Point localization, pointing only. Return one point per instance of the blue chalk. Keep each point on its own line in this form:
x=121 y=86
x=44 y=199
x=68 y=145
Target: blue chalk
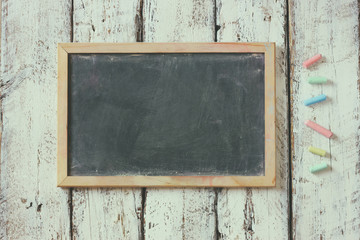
x=316 y=99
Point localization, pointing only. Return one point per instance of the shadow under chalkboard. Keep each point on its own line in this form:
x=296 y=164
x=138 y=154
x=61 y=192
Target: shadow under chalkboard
x=166 y=114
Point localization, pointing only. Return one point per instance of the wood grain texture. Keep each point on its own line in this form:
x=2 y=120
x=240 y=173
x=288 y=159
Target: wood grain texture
x=179 y=213
x=103 y=213
x=167 y=181
x=110 y=21
x=106 y=213
x=2 y=217
x=62 y=115
x=162 y=47
x=326 y=205
x=258 y=213
x=31 y=206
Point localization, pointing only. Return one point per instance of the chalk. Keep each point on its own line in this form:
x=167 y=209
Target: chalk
x=318 y=167
x=316 y=80
x=316 y=99
x=327 y=133
x=317 y=151
x=312 y=60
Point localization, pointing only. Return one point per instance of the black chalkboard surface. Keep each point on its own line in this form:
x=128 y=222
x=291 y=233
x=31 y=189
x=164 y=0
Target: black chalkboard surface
x=166 y=114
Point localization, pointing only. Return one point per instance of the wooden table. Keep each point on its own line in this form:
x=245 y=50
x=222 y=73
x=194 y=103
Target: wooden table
x=302 y=206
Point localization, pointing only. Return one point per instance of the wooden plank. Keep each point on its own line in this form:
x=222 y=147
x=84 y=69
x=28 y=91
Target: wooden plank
x=326 y=205
x=258 y=213
x=62 y=115
x=31 y=206
x=179 y=213
x=167 y=181
x=103 y=213
x=106 y=213
x=2 y=222
x=145 y=47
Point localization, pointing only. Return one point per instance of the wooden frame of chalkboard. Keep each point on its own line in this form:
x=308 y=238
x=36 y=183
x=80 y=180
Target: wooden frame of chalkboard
x=66 y=180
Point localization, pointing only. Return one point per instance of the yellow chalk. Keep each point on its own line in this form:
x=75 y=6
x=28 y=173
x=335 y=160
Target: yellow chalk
x=317 y=151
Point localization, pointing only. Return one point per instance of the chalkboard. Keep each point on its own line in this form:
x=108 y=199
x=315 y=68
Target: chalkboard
x=177 y=114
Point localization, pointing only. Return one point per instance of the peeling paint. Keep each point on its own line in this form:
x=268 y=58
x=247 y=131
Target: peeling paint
x=316 y=198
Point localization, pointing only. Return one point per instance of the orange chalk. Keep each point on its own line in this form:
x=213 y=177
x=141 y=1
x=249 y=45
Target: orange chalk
x=327 y=133
x=312 y=60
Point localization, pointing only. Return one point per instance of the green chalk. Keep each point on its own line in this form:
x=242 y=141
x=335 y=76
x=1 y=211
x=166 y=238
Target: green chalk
x=318 y=167
x=317 y=151
x=315 y=80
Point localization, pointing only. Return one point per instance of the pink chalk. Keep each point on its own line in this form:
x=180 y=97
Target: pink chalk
x=312 y=60
x=327 y=133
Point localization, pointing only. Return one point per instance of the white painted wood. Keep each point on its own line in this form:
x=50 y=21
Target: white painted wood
x=179 y=213
x=179 y=21
x=326 y=205
x=106 y=213
x=31 y=206
x=106 y=21
x=258 y=213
